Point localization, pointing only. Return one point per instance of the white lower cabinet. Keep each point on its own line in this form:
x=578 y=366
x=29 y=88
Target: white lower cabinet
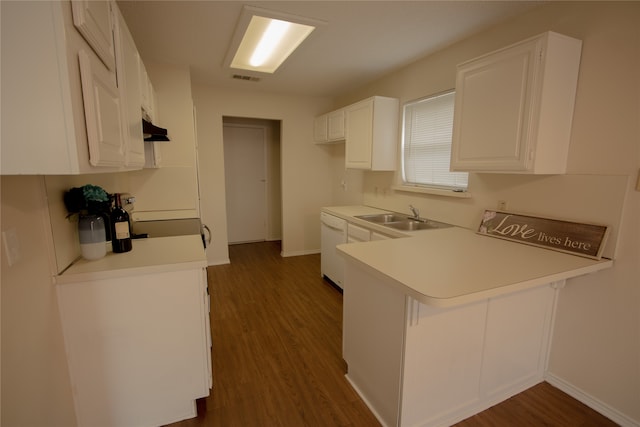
x=379 y=236
x=138 y=347
x=355 y=234
x=418 y=365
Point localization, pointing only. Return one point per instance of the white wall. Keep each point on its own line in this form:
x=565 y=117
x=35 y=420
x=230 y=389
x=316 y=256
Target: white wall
x=170 y=191
x=305 y=167
x=596 y=345
x=65 y=228
x=36 y=389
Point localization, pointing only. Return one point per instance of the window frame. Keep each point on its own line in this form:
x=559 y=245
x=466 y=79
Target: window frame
x=418 y=186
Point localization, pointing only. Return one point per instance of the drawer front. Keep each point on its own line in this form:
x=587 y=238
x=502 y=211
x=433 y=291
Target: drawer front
x=357 y=233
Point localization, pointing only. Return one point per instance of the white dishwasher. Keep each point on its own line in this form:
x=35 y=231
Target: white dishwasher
x=333 y=231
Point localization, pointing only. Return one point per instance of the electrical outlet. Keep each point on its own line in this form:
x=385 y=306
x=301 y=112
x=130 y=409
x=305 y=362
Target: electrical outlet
x=11 y=246
x=502 y=205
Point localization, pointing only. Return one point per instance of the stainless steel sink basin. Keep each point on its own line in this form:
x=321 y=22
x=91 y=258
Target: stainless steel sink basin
x=383 y=218
x=410 y=225
x=402 y=222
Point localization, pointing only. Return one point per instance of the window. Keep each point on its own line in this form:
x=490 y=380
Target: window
x=426 y=143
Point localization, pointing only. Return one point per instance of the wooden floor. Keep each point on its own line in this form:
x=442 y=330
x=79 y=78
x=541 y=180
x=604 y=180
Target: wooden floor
x=276 y=329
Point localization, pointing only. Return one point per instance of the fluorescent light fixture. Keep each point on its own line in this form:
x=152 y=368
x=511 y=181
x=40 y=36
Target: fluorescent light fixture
x=266 y=39
x=270 y=40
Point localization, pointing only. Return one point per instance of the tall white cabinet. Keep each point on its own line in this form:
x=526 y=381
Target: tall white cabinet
x=372 y=134
x=514 y=107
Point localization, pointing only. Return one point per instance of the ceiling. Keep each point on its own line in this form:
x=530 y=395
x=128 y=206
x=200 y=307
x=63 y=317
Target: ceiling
x=360 y=42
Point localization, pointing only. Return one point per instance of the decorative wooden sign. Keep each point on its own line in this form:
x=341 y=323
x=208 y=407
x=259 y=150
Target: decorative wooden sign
x=564 y=236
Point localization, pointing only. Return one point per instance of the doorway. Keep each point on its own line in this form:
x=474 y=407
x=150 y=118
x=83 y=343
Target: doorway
x=252 y=179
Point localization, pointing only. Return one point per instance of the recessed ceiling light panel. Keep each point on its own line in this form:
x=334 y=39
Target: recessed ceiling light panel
x=264 y=40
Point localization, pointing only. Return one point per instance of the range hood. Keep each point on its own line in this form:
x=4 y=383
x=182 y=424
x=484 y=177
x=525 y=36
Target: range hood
x=152 y=132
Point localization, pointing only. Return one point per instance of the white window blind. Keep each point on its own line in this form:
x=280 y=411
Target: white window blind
x=426 y=143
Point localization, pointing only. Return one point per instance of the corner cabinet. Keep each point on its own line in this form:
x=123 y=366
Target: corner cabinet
x=514 y=107
x=372 y=134
x=137 y=333
x=329 y=127
x=62 y=104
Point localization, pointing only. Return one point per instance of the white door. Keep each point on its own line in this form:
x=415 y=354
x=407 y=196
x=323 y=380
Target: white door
x=245 y=175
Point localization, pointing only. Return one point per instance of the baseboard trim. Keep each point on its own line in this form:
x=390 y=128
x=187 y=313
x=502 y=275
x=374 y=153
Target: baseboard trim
x=366 y=401
x=219 y=262
x=592 y=402
x=299 y=253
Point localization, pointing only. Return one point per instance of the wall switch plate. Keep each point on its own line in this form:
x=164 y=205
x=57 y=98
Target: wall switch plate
x=11 y=246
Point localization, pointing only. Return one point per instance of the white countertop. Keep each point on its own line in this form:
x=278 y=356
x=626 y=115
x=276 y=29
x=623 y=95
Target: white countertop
x=453 y=266
x=148 y=256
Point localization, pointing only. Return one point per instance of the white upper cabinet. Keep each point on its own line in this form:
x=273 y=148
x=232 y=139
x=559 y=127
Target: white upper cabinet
x=330 y=127
x=514 y=107
x=372 y=134
x=129 y=87
x=320 y=131
x=147 y=93
x=95 y=22
x=63 y=107
x=103 y=112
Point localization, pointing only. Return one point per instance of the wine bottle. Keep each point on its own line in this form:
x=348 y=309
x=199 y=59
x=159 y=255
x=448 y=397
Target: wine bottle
x=120 y=228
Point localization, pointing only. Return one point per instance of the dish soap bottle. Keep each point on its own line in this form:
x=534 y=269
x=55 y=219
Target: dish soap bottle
x=120 y=228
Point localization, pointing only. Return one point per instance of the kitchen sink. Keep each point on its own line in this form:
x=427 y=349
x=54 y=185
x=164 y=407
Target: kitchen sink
x=412 y=225
x=383 y=218
x=403 y=222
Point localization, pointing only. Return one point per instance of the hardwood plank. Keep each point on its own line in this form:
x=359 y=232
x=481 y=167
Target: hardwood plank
x=541 y=405
x=277 y=356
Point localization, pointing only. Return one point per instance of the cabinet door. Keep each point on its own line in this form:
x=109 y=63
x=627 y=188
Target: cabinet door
x=95 y=22
x=493 y=110
x=517 y=340
x=320 y=128
x=357 y=234
x=359 y=135
x=335 y=125
x=514 y=107
x=146 y=92
x=379 y=236
x=103 y=112
x=129 y=88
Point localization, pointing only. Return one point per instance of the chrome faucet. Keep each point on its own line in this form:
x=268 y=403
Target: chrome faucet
x=415 y=212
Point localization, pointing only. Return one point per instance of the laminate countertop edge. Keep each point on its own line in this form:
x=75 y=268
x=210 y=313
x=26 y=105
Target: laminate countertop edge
x=148 y=256
x=455 y=266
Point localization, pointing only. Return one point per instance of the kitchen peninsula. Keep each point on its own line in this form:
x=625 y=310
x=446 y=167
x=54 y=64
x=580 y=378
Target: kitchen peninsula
x=137 y=334
x=447 y=323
